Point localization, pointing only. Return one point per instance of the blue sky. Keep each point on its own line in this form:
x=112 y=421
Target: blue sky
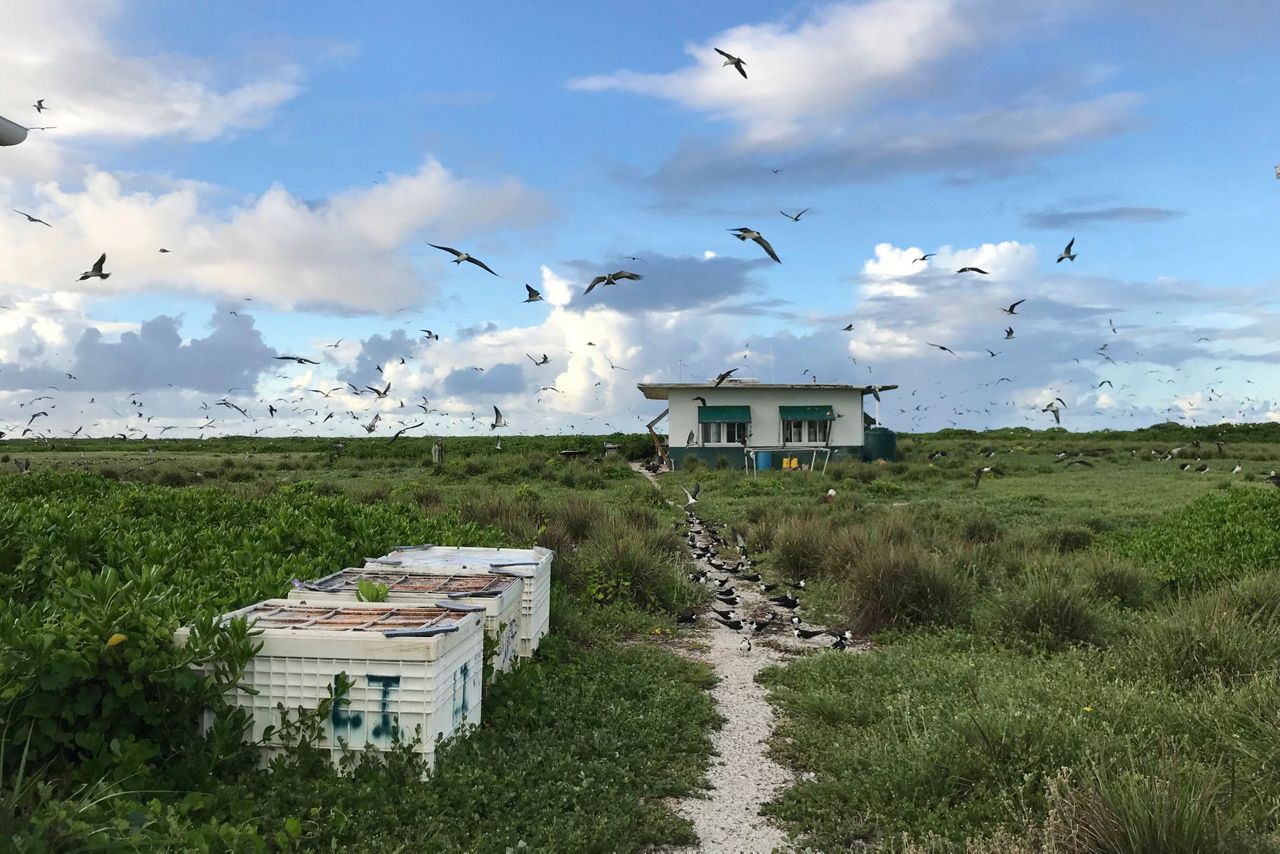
x=553 y=140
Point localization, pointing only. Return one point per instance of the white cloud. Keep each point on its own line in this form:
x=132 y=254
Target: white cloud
x=59 y=50
x=350 y=252
x=839 y=59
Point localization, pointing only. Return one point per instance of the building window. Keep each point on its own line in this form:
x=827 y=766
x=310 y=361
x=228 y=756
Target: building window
x=805 y=432
x=723 y=432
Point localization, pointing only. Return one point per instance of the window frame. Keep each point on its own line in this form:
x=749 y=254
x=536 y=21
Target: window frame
x=723 y=431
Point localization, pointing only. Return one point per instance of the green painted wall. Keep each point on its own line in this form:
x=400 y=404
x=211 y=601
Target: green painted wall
x=733 y=456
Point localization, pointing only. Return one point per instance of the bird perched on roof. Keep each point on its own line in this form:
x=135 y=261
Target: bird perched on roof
x=745 y=233
x=459 y=257
x=736 y=62
x=1067 y=254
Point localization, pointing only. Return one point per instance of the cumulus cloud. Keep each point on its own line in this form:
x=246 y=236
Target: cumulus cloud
x=61 y=50
x=826 y=92
x=351 y=252
x=670 y=282
x=1059 y=218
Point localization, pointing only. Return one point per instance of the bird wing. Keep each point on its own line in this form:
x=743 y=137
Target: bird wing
x=497 y=414
x=597 y=280
x=481 y=265
x=722 y=53
x=1012 y=306
x=802 y=213
x=100 y=263
x=697 y=488
x=532 y=292
x=741 y=66
x=448 y=249
x=625 y=274
x=1070 y=243
x=764 y=244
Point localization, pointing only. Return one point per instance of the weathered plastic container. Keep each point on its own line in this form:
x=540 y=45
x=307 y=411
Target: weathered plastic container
x=533 y=566
x=411 y=667
x=764 y=460
x=500 y=597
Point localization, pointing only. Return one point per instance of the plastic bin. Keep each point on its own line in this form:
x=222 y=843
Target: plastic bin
x=499 y=596
x=533 y=566
x=764 y=460
x=410 y=666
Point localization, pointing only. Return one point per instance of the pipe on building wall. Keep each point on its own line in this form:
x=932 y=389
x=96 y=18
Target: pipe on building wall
x=11 y=133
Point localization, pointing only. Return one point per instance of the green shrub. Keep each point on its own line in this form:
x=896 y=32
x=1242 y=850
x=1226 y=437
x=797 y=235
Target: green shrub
x=1068 y=538
x=1047 y=610
x=1115 y=580
x=890 y=586
x=1206 y=639
x=799 y=547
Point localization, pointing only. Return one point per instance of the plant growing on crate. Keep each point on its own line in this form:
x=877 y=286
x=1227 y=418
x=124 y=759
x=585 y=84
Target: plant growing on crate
x=370 y=591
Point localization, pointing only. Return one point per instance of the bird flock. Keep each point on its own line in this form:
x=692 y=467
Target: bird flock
x=352 y=397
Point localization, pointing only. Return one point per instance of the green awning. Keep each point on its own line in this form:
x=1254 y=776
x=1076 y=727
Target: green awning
x=807 y=413
x=731 y=414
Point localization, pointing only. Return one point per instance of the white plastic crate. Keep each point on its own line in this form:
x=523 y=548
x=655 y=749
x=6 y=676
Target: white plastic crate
x=533 y=565
x=411 y=666
x=500 y=597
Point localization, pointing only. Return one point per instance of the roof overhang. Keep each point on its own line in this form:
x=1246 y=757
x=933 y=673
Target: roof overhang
x=662 y=391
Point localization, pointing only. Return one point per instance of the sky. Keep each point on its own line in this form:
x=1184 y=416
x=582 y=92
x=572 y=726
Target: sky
x=297 y=163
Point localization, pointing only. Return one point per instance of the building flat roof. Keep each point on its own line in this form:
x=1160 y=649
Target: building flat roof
x=661 y=391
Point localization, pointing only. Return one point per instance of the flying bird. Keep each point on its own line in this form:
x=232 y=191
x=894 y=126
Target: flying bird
x=848 y=328
x=692 y=496
x=404 y=430
x=298 y=359
x=380 y=393
x=612 y=279
x=1013 y=307
x=979 y=472
x=925 y=257
x=545 y=359
x=721 y=377
x=1067 y=254
x=972 y=270
x=39 y=105
x=993 y=353
x=96 y=271
x=944 y=349
x=740 y=64
x=29 y=217
x=1057 y=416
x=1008 y=333
x=795 y=217
x=335 y=344
x=751 y=234
x=534 y=296
x=459 y=257
x=498 y=420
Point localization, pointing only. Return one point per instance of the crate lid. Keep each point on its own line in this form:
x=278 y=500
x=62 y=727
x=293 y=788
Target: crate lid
x=401 y=582
x=373 y=617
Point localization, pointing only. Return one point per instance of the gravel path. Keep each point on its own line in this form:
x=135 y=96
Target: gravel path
x=742 y=776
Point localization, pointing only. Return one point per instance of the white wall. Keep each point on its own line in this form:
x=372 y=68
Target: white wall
x=766 y=425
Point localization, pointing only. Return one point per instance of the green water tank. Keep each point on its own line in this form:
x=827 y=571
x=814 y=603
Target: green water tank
x=880 y=443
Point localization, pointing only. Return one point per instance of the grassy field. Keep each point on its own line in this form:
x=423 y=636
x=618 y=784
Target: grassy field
x=1065 y=658
x=107 y=550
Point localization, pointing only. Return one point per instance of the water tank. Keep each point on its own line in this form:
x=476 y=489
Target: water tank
x=764 y=460
x=881 y=443
x=11 y=133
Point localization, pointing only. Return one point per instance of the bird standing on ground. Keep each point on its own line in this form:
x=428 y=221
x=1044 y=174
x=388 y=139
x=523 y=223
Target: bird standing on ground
x=736 y=62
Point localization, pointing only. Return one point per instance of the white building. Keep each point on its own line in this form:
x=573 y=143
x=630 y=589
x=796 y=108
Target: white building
x=744 y=422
